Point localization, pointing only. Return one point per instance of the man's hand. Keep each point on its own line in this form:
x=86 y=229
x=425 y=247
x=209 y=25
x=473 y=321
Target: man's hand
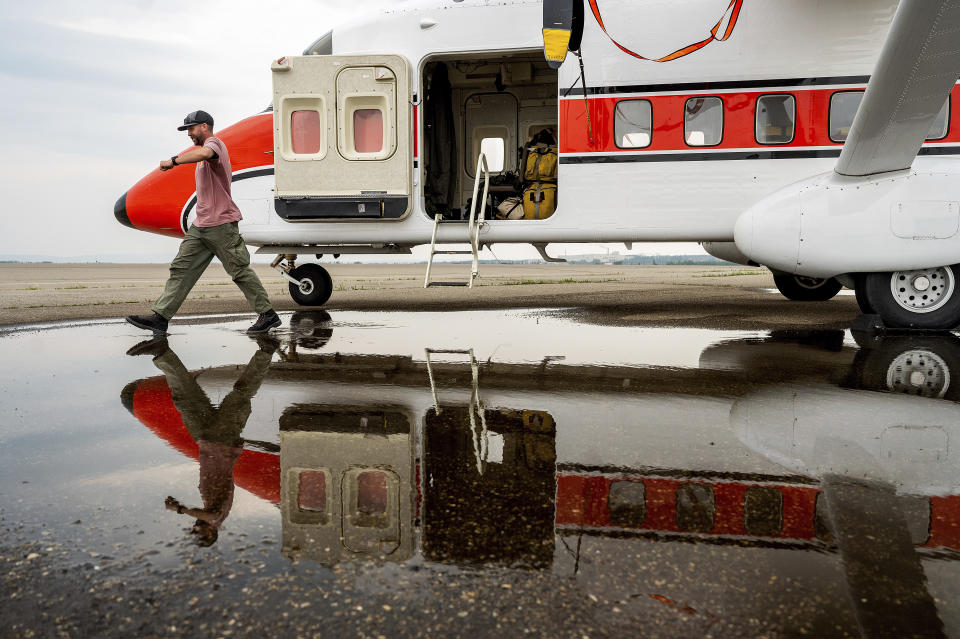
x=166 y=165
x=171 y=503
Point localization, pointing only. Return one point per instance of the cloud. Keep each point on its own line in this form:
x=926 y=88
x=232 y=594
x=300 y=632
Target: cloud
x=93 y=93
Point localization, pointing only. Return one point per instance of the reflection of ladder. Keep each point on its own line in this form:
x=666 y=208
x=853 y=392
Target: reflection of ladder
x=478 y=434
x=473 y=229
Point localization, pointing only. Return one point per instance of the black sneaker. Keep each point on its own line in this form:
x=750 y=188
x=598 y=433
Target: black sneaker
x=265 y=322
x=156 y=322
x=155 y=347
x=267 y=343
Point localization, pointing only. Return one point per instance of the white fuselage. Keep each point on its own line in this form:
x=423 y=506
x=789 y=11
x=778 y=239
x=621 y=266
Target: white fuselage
x=657 y=193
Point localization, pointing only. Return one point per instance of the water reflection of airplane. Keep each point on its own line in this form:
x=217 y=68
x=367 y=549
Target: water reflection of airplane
x=485 y=462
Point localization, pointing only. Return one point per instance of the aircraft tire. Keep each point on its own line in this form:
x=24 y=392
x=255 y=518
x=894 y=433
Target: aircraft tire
x=925 y=298
x=806 y=289
x=315 y=285
x=919 y=365
x=311 y=329
x=861 y=292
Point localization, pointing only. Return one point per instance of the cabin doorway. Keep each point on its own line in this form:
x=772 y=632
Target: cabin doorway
x=511 y=98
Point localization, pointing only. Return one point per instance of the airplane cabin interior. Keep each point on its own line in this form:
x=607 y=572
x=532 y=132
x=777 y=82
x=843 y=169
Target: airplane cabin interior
x=508 y=100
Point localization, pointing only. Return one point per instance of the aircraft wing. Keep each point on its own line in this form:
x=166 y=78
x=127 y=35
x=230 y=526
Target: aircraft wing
x=918 y=67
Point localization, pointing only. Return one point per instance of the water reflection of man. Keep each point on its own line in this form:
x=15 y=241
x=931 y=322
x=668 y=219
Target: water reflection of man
x=216 y=430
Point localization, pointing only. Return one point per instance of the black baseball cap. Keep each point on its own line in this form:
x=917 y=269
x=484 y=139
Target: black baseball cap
x=197 y=117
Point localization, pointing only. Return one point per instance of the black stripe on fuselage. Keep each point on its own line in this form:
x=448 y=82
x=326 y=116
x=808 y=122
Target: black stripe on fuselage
x=687 y=87
x=779 y=154
x=235 y=178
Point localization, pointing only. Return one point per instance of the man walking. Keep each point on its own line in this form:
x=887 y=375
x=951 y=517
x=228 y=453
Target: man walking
x=214 y=233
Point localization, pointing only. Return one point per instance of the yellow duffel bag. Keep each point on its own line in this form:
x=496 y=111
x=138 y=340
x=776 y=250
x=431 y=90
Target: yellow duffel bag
x=541 y=163
x=539 y=200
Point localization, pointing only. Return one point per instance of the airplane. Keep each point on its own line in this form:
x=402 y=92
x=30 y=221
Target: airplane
x=815 y=140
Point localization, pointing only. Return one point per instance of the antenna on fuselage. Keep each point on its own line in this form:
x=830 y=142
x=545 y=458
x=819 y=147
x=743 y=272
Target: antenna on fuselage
x=586 y=103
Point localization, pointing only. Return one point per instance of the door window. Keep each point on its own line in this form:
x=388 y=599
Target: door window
x=306 y=132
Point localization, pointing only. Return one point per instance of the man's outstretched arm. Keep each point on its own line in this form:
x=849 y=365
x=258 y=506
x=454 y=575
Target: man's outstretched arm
x=190 y=156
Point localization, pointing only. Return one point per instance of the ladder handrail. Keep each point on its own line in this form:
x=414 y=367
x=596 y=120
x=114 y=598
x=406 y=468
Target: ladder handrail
x=473 y=225
x=474 y=229
x=478 y=435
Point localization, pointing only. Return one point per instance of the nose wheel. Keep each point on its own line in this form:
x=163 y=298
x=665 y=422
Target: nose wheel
x=309 y=284
x=313 y=286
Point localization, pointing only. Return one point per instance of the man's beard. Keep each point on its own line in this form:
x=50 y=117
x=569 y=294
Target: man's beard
x=196 y=139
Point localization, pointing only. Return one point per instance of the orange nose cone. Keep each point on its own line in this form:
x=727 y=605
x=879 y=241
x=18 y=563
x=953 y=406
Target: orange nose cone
x=158 y=202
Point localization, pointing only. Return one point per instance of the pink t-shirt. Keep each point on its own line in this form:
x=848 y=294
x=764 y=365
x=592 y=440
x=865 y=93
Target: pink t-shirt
x=214 y=204
x=216 y=477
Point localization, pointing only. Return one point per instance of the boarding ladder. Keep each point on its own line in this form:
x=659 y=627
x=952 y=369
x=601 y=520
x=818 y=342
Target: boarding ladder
x=478 y=432
x=474 y=225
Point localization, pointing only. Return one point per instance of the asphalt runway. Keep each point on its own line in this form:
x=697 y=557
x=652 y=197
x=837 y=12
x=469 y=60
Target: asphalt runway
x=688 y=296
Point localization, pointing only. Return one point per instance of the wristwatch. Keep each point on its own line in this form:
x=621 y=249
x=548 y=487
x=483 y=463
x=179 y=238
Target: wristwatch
x=173 y=159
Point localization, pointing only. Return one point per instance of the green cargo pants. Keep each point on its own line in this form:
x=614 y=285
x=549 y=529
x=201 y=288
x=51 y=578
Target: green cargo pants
x=205 y=422
x=196 y=251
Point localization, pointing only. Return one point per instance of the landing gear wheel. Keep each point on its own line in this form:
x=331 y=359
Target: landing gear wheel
x=315 y=285
x=925 y=298
x=806 y=289
x=311 y=328
x=861 y=292
x=926 y=366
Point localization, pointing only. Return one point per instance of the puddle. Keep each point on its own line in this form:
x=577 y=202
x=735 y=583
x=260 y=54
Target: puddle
x=478 y=472
x=842 y=291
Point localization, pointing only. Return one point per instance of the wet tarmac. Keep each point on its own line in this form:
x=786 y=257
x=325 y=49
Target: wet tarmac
x=477 y=473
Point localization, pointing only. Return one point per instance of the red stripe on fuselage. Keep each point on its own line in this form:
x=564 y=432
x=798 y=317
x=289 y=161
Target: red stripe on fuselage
x=156 y=202
x=739 y=124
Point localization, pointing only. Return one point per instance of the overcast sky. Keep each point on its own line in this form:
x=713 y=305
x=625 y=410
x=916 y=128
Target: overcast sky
x=93 y=92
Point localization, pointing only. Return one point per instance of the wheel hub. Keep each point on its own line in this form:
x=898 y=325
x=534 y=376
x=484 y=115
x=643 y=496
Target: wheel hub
x=306 y=286
x=924 y=290
x=810 y=282
x=918 y=372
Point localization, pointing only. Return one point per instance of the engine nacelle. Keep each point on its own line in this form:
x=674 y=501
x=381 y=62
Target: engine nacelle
x=831 y=224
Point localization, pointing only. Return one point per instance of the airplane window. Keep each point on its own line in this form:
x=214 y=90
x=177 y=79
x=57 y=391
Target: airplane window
x=312 y=491
x=368 y=130
x=696 y=508
x=843 y=108
x=632 y=124
x=627 y=503
x=366 y=121
x=372 y=493
x=776 y=119
x=321 y=46
x=763 y=510
x=941 y=124
x=306 y=132
x=703 y=121
x=493 y=150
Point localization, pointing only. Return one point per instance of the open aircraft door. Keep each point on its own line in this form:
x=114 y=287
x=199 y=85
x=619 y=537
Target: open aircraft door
x=341 y=137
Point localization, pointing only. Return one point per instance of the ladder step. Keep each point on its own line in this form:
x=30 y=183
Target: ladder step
x=449 y=284
x=453 y=252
